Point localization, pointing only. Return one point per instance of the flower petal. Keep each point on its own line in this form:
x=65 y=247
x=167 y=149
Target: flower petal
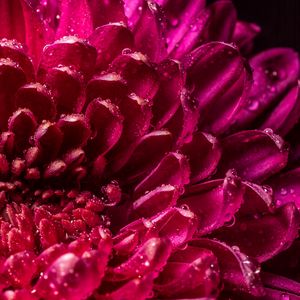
x=274 y=71
x=189 y=273
x=173 y=169
x=254 y=154
x=109 y=41
x=275 y=231
x=214 y=202
x=204 y=153
x=286 y=114
x=74 y=21
x=238 y=272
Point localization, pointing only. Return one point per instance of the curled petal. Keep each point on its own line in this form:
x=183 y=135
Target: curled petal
x=151 y=256
x=141 y=78
x=254 y=154
x=20 y=22
x=67 y=88
x=68 y=51
x=237 y=270
x=244 y=35
x=167 y=99
x=286 y=114
x=74 y=21
x=214 y=202
x=189 y=273
x=274 y=71
x=218 y=77
x=275 y=231
x=105 y=121
x=149 y=32
x=38 y=99
x=286 y=188
x=109 y=41
x=204 y=153
x=173 y=169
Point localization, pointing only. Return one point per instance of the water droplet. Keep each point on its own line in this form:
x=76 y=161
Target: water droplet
x=284 y=296
x=185 y=207
x=283 y=191
x=253 y=105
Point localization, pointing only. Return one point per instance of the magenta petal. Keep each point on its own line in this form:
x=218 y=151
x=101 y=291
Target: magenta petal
x=189 y=273
x=218 y=77
x=106 y=125
x=274 y=71
x=173 y=169
x=254 y=154
x=286 y=114
x=214 y=23
x=149 y=32
x=20 y=22
x=276 y=232
x=214 y=202
x=38 y=99
x=68 y=51
x=109 y=41
x=155 y=201
x=141 y=78
x=72 y=277
x=167 y=99
x=74 y=21
x=244 y=35
x=66 y=85
x=286 y=188
x=151 y=256
x=204 y=153
x=237 y=270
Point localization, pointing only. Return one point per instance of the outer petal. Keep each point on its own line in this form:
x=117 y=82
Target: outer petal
x=274 y=71
x=219 y=78
x=286 y=114
x=173 y=169
x=214 y=202
x=254 y=154
x=189 y=273
x=276 y=232
x=204 y=153
x=237 y=271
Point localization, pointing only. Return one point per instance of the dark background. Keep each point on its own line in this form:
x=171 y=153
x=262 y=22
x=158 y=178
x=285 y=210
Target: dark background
x=278 y=19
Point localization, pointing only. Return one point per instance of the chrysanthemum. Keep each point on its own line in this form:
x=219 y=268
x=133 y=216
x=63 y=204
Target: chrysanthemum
x=139 y=153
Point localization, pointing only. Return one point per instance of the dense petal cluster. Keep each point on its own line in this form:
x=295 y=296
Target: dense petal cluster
x=140 y=155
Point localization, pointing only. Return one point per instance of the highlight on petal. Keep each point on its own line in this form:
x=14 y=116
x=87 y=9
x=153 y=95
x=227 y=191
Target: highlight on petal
x=254 y=154
x=286 y=114
x=189 y=273
x=214 y=202
x=219 y=79
x=238 y=271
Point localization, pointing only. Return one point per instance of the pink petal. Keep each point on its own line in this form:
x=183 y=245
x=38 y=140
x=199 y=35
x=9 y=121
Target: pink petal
x=20 y=22
x=254 y=154
x=67 y=88
x=219 y=79
x=238 y=271
x=204 y=153
x=141 y=78
x=286 y=114
x=106 y=125
x=109 y=41
x=38 y=99
x=173 y=169
x=214 y=202
x=276 y=232
x=149 y=32
x=74 y=21
x=189 y=273
x=167 y=99
x=274 y=71
x=68 y=51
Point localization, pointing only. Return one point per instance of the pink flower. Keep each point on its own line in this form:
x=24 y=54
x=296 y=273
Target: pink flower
x=139 y=153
